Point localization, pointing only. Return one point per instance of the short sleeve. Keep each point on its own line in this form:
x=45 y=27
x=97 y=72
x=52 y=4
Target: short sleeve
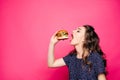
x=99 y=64
x=67 y=59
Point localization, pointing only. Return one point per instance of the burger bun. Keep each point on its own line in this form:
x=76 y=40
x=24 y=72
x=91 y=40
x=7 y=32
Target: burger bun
x=62 y=34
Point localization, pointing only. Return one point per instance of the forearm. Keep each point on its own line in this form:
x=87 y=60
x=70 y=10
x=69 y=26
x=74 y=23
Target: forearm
x=51 y=54
x=52 y=62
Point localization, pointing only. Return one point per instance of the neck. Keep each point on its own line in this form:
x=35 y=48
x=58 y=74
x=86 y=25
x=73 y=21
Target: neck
x=79 y=50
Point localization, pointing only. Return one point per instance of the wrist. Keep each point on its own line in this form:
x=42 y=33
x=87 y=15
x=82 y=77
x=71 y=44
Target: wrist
x=52 y=43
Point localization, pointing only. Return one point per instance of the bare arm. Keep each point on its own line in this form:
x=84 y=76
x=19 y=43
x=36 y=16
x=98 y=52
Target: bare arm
x=101 y=77
x=52 y=62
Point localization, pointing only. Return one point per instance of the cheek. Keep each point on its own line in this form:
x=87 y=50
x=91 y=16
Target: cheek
x=75 y=41
x=79 y=38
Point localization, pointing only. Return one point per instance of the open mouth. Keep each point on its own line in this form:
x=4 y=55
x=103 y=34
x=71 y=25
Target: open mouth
x=72 y=36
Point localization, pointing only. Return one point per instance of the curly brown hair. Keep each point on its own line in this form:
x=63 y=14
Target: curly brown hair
x=91 y=44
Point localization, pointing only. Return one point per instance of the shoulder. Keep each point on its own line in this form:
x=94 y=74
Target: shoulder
x=70 y=55
x=68 y=58
x=96 y=57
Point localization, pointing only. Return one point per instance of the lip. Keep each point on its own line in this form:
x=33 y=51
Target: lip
x=72 y=35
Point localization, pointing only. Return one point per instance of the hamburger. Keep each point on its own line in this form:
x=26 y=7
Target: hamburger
x=62 y=34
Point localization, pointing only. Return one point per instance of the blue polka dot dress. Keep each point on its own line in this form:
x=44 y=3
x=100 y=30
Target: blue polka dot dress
x=78 y=72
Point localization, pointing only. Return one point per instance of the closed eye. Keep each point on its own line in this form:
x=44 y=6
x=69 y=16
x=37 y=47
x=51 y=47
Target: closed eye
x=78 y=31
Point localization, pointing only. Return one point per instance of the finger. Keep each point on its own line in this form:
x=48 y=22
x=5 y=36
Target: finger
x=55 y=33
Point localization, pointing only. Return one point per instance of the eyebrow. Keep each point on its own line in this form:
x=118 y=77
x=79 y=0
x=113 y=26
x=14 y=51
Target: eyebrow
x=79 y=28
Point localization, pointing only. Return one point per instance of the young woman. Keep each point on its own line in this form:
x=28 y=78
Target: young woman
x=86 y=61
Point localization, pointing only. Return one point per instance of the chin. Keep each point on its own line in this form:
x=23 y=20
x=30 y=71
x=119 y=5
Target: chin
x=73 y=43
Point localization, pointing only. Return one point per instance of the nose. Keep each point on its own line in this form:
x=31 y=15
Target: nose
x=74 y=31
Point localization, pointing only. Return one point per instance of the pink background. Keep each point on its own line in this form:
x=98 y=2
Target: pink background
x=27 y=25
